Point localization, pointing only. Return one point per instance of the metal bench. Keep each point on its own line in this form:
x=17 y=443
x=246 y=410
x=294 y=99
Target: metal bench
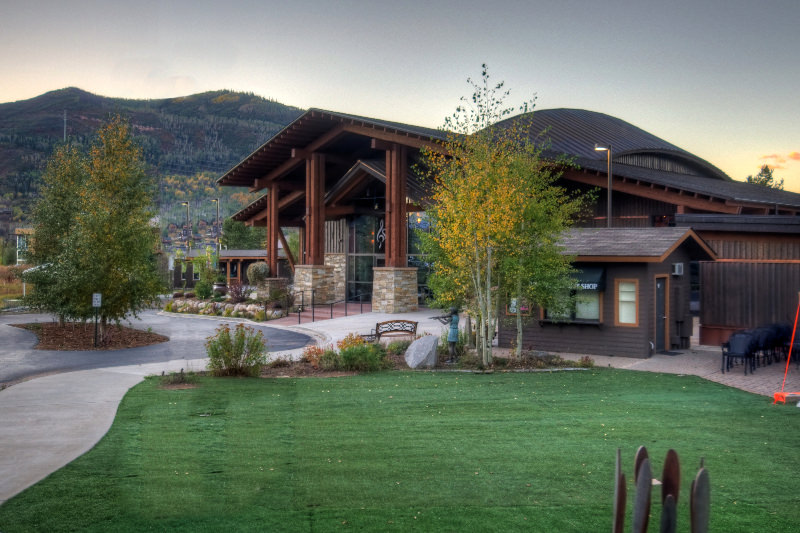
x=391 y=328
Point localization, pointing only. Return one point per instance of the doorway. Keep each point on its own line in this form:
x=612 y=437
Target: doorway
x=662 y=314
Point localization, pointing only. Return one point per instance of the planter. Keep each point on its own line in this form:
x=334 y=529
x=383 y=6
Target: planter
x=220 y=288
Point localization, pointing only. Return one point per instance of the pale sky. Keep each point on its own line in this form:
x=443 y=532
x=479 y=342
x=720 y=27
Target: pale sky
x=718 y=78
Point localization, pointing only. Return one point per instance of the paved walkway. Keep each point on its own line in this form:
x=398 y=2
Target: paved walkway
x=47 y=422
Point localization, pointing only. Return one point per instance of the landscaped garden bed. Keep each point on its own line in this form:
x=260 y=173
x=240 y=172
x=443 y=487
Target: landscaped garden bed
x=80 y=336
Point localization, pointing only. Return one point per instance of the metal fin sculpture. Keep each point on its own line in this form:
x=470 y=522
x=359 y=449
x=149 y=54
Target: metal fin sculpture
x=699 y=497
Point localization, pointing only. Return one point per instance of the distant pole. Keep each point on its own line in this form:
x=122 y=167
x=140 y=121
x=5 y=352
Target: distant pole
x=609 y=185
x=219 y=227
x=607 y=148
x=188 y=229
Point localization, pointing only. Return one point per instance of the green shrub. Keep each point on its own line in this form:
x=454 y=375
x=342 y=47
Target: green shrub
x=397 y=347
x=228 y=312
x=240 y=354
x=329 y=360
x=257 y=273
x=168 y=307
x=203 y=290
x=260 y=316
x=363 y=357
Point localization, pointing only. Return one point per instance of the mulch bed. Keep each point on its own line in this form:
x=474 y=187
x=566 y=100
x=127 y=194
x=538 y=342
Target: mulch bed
x=79 y=336
x=298 y=369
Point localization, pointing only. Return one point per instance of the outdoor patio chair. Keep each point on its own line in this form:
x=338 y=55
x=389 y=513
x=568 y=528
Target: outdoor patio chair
x=765 y=345
x=741 y=345
x=783 y=336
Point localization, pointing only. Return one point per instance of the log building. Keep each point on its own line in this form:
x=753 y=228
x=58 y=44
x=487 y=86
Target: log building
x=348 y=183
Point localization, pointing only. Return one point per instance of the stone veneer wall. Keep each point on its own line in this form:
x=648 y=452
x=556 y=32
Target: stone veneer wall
x=339 y=279
x=316 y=277
x=394 y=290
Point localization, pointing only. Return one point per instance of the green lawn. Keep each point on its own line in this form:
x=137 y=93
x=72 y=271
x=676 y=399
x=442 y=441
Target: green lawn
x=425 y=451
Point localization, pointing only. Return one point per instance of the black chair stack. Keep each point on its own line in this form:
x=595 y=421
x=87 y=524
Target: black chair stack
x=742 y=345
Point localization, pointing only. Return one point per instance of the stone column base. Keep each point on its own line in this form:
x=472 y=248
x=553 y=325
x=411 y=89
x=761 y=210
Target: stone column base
x=313 y=277
x=338 y=275
x=394 y=290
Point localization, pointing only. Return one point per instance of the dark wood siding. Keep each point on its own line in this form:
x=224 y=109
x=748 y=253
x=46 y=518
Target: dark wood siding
x=628 y=211
x=602 y=339
x=606 y=338
x=740 y=295
x=758 y=246
x=336 y=236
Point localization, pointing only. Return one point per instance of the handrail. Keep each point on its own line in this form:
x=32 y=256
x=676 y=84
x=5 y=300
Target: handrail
x=313 y=305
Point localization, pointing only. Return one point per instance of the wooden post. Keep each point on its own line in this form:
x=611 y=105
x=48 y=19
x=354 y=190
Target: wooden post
x=396 y=223
x=273 y=229
x=315 y=210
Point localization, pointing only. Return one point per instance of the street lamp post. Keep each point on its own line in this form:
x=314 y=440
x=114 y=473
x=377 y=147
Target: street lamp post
x=188 y=228
x=604 y=148
x=217 y=224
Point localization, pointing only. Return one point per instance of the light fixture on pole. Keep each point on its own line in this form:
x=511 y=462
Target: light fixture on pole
x=607 y=148
x=188 y=228
x=217 y=224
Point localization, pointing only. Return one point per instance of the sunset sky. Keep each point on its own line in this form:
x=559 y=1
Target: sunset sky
x=719 y=78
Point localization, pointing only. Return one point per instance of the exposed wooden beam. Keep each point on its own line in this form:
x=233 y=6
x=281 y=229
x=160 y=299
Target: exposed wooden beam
x=378 y=144
x=280 y=170
x=405 y=140
x=346 y=191
x=661 y=195
x=292 y=162
x=292 y=186
x=286 y=249
x=339 y=210
x=289 y=199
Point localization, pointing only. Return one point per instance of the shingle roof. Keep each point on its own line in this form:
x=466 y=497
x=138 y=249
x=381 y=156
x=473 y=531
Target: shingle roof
x=643 y=243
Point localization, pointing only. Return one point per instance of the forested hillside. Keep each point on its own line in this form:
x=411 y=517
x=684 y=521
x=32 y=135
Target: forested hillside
x=189 y=141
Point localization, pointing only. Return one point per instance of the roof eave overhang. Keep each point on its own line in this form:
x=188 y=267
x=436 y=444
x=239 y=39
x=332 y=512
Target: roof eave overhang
x=288 y=145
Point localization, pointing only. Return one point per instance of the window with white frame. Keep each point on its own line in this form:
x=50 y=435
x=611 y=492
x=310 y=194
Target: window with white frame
x=627 y=291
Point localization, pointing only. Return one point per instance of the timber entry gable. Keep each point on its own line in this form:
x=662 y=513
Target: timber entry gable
x=319 y=169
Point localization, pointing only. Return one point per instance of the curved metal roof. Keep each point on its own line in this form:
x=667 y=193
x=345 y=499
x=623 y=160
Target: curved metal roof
x=574 y=132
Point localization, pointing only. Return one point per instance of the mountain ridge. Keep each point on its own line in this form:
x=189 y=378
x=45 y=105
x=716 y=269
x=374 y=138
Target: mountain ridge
x=206 y=132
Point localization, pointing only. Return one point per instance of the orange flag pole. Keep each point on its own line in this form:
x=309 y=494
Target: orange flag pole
x=781 y=396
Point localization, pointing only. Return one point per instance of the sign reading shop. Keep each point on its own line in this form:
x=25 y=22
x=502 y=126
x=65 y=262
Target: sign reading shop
x=590 y=278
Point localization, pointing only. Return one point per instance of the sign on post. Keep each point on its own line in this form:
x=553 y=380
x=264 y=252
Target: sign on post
x=97 y=299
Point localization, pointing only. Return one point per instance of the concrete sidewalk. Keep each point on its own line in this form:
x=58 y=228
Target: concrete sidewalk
x=47 y=422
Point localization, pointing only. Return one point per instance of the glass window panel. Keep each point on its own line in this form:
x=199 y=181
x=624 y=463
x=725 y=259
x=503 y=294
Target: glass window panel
x=626 y=297
x=587 y=306
x=417 y=222
x=362 y=235
x=362 y=266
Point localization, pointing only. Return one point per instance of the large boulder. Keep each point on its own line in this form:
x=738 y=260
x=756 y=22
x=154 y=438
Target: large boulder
x=422 y=352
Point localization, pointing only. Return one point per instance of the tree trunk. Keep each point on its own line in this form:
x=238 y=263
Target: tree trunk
x=518 y=348
x=487 y=354
x=103 y=333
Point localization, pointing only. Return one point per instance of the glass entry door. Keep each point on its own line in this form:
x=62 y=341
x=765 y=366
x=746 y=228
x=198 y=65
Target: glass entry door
x=366 y=250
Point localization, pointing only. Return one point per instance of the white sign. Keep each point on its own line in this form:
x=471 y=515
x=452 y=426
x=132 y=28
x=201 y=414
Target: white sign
x=96 y=299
